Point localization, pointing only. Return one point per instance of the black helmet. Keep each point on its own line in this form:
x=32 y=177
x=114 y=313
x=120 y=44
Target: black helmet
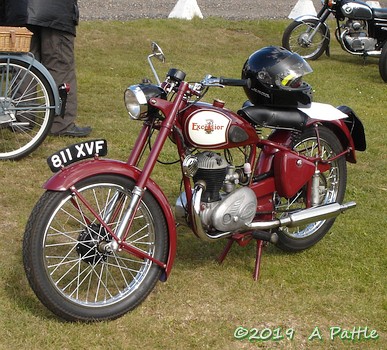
x=276 y=78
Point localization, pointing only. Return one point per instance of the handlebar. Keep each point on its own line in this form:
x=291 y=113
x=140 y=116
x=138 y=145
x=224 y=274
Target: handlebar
x=175 y=77
x=209 y=80
x=234 y=82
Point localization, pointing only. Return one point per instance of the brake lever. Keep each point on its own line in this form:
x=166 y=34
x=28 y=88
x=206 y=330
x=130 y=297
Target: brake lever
x=210 y=80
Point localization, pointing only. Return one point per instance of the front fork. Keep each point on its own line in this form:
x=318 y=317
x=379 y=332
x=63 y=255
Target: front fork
x=170 y=111
x=127 y=220
x=117 y=243
x=321 y=17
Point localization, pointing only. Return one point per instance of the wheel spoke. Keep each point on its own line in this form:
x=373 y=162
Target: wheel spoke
x=68 y=256
x=77 y=267
x=302 y=38
x=328 y=187
x=26 y=108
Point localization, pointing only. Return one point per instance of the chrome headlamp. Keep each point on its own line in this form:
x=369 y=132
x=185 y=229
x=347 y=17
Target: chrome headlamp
x=136 y=102
x=137 y=97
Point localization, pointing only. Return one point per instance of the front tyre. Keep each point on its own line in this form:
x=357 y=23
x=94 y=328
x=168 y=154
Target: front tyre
x=332 y=187
x=304 y=39
x=383 y=63
x=64 y=259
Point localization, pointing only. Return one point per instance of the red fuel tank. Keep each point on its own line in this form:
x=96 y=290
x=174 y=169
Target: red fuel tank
x=209 y=127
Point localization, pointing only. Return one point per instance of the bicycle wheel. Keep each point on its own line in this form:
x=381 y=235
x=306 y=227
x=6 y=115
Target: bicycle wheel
x=64 y=259
x=297 y=38
x=27 y=108
x=332 y=187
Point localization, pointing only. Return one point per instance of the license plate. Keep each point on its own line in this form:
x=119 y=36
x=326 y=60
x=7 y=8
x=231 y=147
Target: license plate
x=75 y=153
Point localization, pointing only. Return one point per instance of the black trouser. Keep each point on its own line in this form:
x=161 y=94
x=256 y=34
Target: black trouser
x=55 y=50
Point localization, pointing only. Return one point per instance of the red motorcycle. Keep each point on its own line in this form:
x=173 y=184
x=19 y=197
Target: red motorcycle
x=103 y=233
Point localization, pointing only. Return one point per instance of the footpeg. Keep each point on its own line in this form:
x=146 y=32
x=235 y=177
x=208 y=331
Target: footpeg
x=265 y=236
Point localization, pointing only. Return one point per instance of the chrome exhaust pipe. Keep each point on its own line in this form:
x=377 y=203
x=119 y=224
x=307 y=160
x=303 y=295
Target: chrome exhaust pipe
x=310 y=215
x=376 y=53
x=197 y=226
x=301 y=217
x=304 y=217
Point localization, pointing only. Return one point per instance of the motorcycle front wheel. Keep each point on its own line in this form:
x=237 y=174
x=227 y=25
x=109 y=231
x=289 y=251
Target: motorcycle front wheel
x=27 y=108
x=383 y=63
x=304 y=39
x=331 y=189
x=64 y=261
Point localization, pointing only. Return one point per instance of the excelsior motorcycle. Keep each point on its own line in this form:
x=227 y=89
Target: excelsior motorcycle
x=103 y=233
x=360 y=30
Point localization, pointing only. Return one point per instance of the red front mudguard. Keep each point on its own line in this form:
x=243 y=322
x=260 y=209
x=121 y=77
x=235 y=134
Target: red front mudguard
x=71 y=175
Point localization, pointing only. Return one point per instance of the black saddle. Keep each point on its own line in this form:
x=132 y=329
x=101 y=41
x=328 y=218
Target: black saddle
x=274 y=117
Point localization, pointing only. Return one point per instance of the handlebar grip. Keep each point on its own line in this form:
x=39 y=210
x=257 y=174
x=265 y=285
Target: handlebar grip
x=233 y=82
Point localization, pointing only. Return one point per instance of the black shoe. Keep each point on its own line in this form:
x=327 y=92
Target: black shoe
x=74 y=131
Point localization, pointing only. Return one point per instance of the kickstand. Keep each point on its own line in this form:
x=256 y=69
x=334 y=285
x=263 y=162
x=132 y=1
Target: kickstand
x=258 y=259
x=226 y=250
x=243 y=240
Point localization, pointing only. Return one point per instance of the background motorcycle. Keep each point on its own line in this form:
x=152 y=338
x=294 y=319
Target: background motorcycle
x=103 y=233
x=360 y=30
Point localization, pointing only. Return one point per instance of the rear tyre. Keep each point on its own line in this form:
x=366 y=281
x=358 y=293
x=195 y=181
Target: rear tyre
x=64 y=259
x=383 y=63
x=332 y=189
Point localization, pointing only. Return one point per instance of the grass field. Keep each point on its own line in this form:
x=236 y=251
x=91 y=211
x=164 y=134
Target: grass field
x=337 y=286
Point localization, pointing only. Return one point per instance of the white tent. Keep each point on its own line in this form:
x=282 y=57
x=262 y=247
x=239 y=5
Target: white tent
x=186 y=9
x=303 y=7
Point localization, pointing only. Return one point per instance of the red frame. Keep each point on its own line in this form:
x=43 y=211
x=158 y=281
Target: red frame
x=278 y=142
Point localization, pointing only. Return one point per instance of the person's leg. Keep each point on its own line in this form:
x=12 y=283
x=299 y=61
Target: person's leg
x=57 y=55
x=35 y=42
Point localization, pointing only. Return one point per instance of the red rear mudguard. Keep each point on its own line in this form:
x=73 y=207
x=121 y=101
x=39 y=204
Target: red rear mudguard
x=69 y=176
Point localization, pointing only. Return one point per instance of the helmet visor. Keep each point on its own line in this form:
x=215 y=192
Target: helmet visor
x=289 y=72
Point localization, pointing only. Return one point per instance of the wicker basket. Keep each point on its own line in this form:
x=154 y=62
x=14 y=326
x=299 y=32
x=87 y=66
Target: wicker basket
x=15 y=39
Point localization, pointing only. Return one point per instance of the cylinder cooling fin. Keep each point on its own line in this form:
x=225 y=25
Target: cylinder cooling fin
x=212 y=170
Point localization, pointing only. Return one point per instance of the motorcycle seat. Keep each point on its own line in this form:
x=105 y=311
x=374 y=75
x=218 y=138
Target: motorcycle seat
x=380 y=13
x=274 y=117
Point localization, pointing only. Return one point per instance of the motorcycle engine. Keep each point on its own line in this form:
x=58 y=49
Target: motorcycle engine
x=224 y=206
x=212 y=169
x=356 y=37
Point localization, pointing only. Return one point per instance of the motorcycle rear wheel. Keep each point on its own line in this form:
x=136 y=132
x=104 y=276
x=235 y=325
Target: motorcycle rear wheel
x=296 y=39
x=63 y=260
x=332 y=189
x=383 y=63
